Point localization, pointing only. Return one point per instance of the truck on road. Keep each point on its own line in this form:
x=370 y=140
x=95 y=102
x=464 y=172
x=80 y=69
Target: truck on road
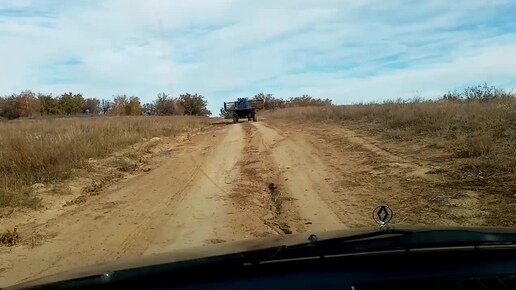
x=243 y=108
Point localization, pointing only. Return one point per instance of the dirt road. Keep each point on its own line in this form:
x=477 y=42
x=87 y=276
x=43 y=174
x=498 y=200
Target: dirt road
x=232 y=182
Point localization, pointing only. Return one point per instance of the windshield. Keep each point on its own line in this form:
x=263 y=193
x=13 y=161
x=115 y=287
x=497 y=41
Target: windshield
x=130 y=128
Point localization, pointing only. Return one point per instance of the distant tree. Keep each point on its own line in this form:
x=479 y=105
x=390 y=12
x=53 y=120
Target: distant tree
x=71 y=104
x=10 y=107
x=91 y=106
x=106 y=106
x=194 y=104
x=29 y=104
x=26 y=104
x=119 y=104
x=166 y=105
x=133 y=107
x=149 y=109
x=123 y=105
x=49 y=105
x=163 y=104
x=270 y=102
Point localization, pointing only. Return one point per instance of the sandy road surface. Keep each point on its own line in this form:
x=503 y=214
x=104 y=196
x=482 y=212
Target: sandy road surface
x=233 y=182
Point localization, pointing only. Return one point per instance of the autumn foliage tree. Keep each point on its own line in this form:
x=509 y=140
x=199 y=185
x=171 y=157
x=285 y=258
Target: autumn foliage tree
x=194 y=104
x=10 y=108
x=29 y=103
x=25 y=104
x=166 y=105
x=71 y=104
x=49 y=105
x=133 y=107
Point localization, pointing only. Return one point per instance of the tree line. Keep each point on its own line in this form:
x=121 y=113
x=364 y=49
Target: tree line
x=28 y=104
x=271 y=102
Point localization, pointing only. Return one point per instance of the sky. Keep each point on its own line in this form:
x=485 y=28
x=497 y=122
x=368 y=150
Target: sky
x=349 y=51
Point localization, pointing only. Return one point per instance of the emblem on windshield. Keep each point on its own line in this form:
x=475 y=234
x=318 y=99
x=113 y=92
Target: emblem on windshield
x=382 y=215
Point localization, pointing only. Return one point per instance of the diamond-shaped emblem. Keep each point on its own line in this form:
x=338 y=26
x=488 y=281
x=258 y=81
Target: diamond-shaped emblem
x=382 y=215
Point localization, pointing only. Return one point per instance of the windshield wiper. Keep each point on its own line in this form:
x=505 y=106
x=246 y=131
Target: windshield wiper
x=385 y=240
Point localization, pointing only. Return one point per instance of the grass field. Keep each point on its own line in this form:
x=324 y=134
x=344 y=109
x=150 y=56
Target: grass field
x=46 y=150
x=478 y=137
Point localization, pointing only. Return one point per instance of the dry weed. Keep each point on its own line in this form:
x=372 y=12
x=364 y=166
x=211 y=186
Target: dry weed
x=9 y=238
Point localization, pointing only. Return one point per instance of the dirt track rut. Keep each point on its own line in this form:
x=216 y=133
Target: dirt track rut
x=234 y=182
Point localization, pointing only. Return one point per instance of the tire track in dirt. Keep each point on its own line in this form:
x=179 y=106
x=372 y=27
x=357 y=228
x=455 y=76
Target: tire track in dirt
x=305 y=181
x=259 y=188
x=410 y=166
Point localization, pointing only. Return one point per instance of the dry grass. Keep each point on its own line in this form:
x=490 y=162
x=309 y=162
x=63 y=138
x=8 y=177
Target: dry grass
x=43 y=151
x=9 y=238
x=479 y=136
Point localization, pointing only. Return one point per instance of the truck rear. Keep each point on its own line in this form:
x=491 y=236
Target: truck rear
x=243 y=108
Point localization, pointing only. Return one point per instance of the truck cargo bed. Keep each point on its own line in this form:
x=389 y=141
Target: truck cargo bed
x=251 y=105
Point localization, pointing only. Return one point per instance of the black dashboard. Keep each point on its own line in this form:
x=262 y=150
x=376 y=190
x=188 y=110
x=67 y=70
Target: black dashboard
x=457 y=268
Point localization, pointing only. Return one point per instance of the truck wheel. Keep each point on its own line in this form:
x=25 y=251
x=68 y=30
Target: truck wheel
x=249 y=119
x=254 y=118
x=235 y=119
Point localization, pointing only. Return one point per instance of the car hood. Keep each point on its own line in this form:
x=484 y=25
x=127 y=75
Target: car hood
x=228 y=248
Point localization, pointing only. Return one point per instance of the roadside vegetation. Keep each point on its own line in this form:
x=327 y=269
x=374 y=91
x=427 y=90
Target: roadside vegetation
x=28 y=104
x=46 y=150
x=475 y=130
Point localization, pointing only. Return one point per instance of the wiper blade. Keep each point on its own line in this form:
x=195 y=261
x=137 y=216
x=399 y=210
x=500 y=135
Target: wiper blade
x=429 y=239
x=422 y=238
x=385 y=240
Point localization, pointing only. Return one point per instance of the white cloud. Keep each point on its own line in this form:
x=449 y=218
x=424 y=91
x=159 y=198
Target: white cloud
x=354 y=51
